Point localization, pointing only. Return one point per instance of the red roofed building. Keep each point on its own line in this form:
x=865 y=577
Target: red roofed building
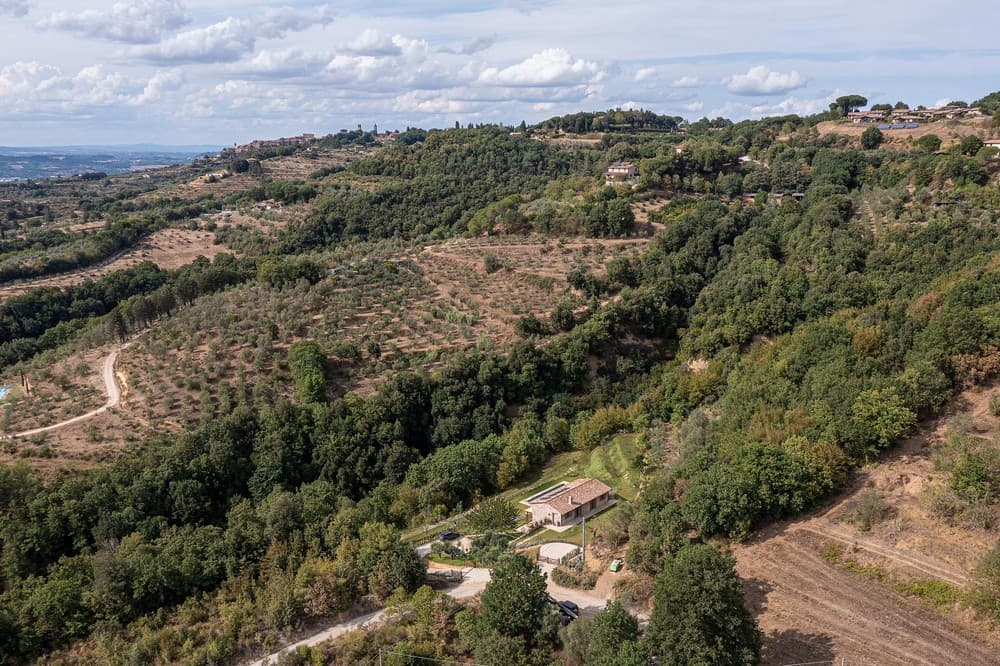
x=565 y=503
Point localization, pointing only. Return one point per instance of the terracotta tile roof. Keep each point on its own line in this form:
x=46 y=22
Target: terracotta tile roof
x=580 y=491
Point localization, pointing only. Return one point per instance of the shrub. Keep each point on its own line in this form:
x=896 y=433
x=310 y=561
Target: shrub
x=494 y=513
x=869 y=510
x=492 y=263
x=585 y=580
x=872 y=138
x=985 y=594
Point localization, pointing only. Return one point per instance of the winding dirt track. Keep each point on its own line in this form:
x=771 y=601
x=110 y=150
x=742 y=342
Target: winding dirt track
x=810 y=610
x=110 y=386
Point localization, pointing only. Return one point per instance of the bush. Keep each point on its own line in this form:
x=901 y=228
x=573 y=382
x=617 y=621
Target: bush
x=585 y=580
x=869 y=510
x=529 y=325
x=494 y=513
x=872 y=138
x=492 y=263
x=985 y=594
x=602 y=424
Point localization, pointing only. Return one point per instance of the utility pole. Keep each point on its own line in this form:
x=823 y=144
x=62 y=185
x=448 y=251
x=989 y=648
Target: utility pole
x=583 y=542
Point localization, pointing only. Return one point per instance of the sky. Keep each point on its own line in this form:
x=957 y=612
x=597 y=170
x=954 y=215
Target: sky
x=225 y=71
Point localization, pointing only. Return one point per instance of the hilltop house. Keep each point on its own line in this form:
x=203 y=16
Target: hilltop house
x=621 y=171
x=567 y=502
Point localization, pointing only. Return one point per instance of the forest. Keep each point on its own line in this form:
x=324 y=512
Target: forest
x=784 y=345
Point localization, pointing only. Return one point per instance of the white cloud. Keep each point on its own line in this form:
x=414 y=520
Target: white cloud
x=15 y=8
x=253 y=101
x=32 y=88
x=282 y=63
x=760 y=80
x=551 y=67
x=373 y=43
x=415 y=101
x=133 y=22
x=644 y=73
x=162 y=82
x=229 y=40
x=694 y=107
x=688 y=82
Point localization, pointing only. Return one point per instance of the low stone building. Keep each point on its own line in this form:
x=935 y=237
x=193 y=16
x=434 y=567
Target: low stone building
x=567 y=502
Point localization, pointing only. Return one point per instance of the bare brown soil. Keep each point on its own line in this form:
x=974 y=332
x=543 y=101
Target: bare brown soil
x=949 y=131
x=168 y=249
x=812 y=609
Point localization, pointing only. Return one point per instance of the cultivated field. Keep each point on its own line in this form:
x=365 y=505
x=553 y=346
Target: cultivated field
x=168 y=249
x=823 y=589
x=396 y=308
x=292 y=167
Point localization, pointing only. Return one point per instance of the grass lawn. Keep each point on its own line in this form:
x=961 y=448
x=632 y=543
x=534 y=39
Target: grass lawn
x=615 y=463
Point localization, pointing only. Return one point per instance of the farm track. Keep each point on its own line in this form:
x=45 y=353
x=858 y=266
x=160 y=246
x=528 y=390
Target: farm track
x=812 y=610
x=110 y=386
x=911 y=560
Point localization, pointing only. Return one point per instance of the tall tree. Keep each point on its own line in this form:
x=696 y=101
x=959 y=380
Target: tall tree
x=698 y=614
x=848 y=103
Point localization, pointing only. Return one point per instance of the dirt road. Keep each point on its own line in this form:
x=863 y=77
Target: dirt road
x=472 y=584
x=110 y=387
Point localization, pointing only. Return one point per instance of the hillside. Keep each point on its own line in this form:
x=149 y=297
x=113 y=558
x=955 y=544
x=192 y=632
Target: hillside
x=329 y=355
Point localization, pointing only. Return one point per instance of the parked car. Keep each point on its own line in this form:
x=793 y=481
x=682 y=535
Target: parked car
x=616 y=565
x=569 y=606
x=448 y=535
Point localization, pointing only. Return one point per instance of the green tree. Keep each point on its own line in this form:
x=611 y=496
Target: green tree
x=614 y=639
x=494 y=513
x=116 y=325
x=307 y=363
x=699 y=617
x=970 y=145
x=848 y=103
x=514 y=602
x=387 y=562
x=879 y=417
x=929 y=142
x=872 y=138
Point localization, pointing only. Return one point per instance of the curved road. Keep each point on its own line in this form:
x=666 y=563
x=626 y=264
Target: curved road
x=110 y=386
x=474 y=582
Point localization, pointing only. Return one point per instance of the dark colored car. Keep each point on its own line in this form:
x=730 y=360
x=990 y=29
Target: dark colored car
x=448 y=535
x=570 y=606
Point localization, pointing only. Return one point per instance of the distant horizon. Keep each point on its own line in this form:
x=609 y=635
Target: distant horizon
x=211 y=72
x=174 y=147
